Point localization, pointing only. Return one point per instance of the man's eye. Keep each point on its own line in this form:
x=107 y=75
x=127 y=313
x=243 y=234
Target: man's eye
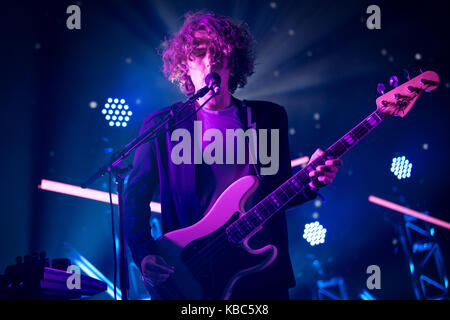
x=199 y=52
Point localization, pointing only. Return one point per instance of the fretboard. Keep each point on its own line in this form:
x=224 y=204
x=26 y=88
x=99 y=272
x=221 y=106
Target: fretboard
x=266 y=208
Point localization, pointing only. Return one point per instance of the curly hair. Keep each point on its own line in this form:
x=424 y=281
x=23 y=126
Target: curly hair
x=229 y=43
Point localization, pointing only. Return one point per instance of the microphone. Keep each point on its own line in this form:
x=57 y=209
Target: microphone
x=212 y=81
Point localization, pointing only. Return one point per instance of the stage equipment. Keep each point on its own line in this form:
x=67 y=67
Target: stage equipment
x=332 y=289
x=116 y=112
x=409 y=212
x=314 y=233
x=401 y=167
x=92 y=194
x=424 y=258
x=33 y=279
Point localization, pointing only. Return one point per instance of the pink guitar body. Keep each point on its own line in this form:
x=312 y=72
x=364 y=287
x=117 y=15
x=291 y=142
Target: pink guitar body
x=185 y=283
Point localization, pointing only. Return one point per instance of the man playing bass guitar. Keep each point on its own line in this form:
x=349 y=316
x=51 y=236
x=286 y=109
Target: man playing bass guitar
x=188 y=190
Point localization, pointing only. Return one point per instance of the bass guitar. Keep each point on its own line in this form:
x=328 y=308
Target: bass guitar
x=221 y=237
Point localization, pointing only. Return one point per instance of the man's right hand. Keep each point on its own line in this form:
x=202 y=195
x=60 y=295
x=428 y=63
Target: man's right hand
x=155 y=270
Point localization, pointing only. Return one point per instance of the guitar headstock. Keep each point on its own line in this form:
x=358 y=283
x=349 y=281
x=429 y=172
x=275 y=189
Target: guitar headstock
x=400 y=100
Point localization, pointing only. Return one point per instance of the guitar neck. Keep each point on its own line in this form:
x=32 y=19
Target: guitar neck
x=266 y=208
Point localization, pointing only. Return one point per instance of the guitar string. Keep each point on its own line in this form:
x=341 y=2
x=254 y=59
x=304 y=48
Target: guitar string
x=218 y=245
x=205 y=252
x=211 y=245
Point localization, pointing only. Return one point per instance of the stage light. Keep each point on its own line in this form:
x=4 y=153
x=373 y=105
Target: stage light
x=409 y=212
x=365 y=295
x=314 y=233
x=87 y=193
x=299 y=161
x=401 y=167
x=116 y=112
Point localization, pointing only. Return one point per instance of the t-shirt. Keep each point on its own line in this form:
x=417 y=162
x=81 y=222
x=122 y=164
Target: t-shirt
x=213 y=179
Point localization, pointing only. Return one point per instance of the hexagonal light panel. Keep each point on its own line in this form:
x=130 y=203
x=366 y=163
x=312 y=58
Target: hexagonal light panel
x=314 y=233
x=401 y=167
x=116 y=112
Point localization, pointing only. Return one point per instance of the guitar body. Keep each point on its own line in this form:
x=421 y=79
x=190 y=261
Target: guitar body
x=208 y=265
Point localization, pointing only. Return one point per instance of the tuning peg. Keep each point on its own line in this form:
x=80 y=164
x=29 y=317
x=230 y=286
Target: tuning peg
x=381 y=88
x=393 y=81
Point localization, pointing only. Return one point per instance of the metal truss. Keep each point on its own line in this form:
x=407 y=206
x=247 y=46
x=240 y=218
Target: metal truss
x=424 y=257
x=332 y=289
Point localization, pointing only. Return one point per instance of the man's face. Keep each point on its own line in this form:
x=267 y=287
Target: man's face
x=200 y=64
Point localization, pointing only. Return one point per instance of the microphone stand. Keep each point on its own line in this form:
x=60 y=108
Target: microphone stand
x=114 y=167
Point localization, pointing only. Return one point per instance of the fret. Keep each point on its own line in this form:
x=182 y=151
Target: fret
x=366 y=125
x=244 y=225
x=304 y=179
x=269 y=204
x=361 y=130
x=379 y=117
x=347 y=139
x=282 y=194
x=289 y=190
x=355 y=138
x=372 y=121
x=264 y=211
x=254 y=222
x=331 y=151
x=255 y=211
x=237 y=231
x=276 y=200
x=294 y=182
